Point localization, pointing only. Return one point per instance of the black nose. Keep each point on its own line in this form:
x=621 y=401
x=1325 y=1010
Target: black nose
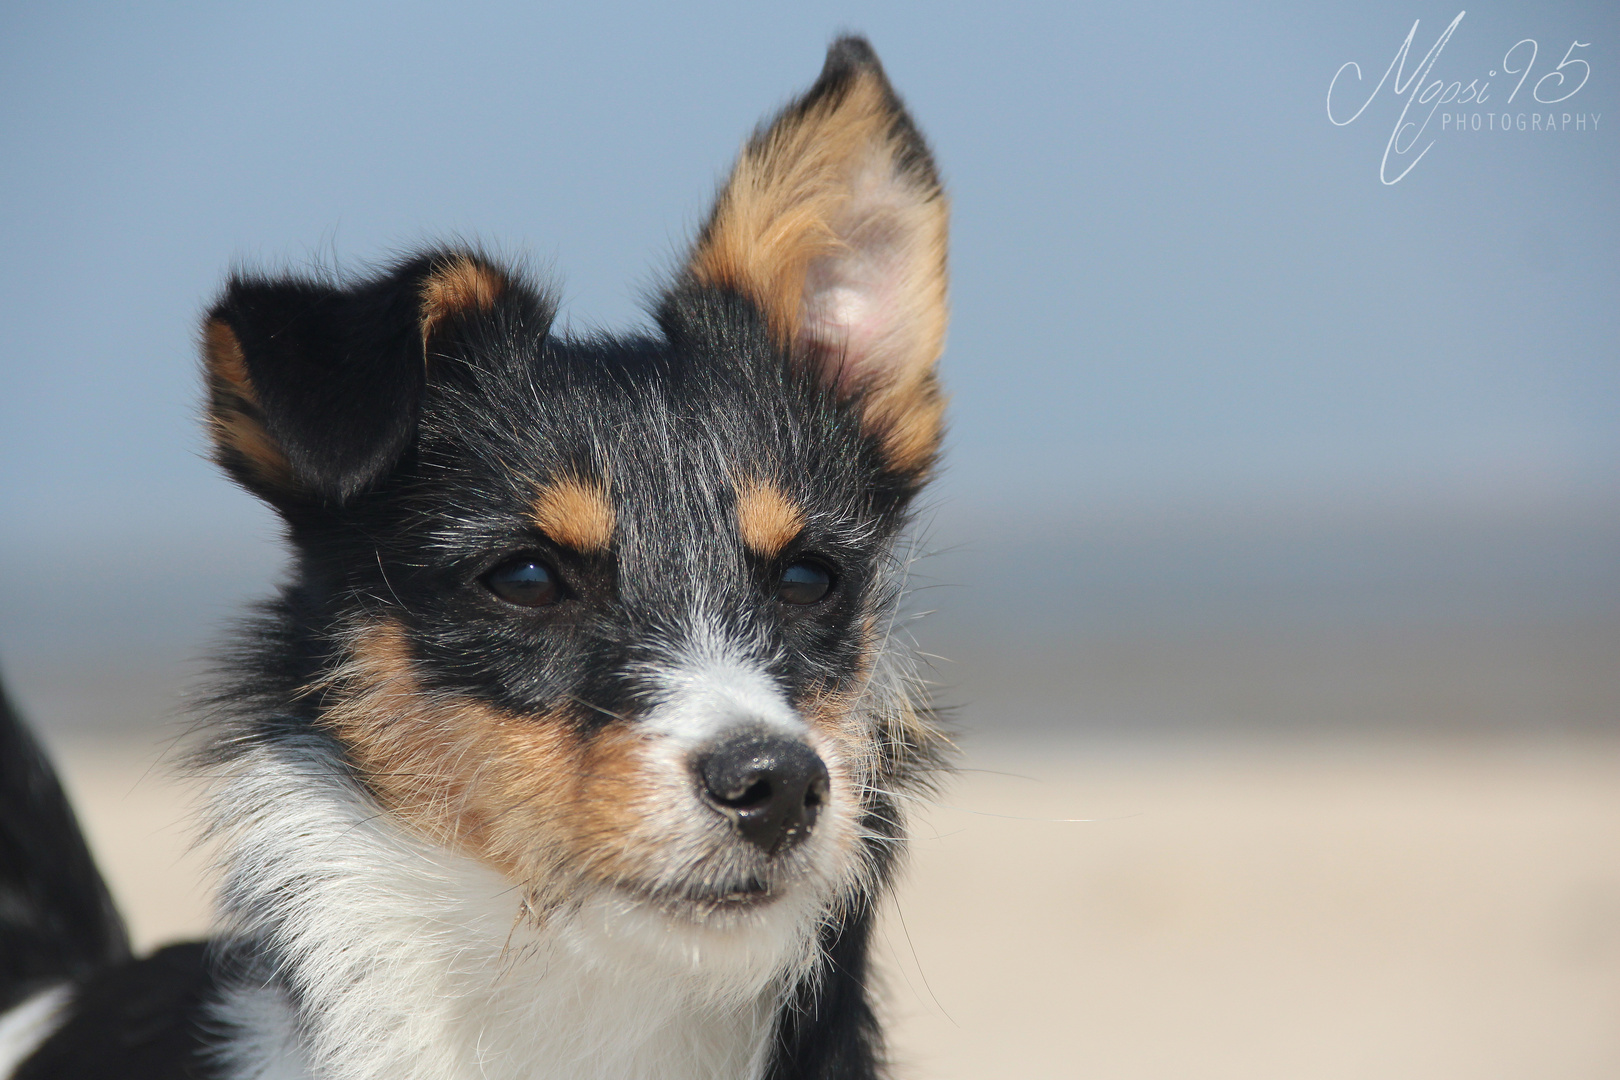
x=770 y=786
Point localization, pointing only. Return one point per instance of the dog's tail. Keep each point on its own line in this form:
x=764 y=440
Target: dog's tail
x=57 y=920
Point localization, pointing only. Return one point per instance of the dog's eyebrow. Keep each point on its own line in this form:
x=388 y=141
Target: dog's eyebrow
x=767 y=519
x=575 y=511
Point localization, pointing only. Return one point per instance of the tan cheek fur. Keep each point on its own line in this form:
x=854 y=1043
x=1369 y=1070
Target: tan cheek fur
x=533 y=797
x=527 y=795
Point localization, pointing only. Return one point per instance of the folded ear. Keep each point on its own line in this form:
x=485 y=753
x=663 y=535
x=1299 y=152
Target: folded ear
x=834 y=223
x=314 y=389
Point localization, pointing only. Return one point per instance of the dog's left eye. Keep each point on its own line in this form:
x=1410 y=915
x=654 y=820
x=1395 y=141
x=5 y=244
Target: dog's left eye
x=524 y=581
x=804 y=582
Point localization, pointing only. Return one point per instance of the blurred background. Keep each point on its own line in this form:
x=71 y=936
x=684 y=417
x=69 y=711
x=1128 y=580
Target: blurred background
x=1275 y=574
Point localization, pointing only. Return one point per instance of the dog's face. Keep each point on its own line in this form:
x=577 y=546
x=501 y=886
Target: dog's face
x=611 y=615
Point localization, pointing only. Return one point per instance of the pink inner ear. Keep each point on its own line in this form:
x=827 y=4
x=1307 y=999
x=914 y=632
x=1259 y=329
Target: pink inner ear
x=859 y=311
x=850 y=313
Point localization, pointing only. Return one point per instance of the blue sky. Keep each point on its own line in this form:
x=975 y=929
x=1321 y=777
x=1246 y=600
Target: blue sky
x=1175 y=282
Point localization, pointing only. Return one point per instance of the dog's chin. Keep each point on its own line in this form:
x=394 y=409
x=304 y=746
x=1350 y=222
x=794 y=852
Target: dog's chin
x=742 y=905
x=711 y=903
x=743 y=934
x=717 y=904
x=735 y=888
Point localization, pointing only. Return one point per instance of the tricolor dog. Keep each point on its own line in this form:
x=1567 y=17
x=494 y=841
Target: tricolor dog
x=576 y=743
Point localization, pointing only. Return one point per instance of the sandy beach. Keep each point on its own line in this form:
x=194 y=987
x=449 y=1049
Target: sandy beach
x=1252 y=909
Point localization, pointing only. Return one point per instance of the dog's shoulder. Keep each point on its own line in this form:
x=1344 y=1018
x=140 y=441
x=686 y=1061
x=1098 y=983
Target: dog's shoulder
x=140 y=1020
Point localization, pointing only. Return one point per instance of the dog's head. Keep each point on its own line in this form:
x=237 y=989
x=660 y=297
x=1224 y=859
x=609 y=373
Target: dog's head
x=611 y=615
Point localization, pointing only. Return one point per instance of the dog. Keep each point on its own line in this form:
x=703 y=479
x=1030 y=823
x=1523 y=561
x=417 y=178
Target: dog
x=577 y=743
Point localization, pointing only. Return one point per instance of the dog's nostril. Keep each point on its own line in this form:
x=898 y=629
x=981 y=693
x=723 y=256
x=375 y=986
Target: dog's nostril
x=771 y=787
x=757 y=794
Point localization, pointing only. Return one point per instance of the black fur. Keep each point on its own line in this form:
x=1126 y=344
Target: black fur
x=338 y=372
x=57 y=920
x=141 y=1020
x=827 y=1028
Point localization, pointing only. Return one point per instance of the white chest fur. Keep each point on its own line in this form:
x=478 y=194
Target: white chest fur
x=408 y=962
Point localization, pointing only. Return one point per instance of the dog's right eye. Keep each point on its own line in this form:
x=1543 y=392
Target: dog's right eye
x=524 y=581
x=805 y=582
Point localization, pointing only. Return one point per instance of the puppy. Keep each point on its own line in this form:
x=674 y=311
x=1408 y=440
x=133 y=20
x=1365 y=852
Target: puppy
x=576 y=745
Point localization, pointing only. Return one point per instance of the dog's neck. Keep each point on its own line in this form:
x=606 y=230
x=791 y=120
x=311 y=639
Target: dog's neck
x=378 y=955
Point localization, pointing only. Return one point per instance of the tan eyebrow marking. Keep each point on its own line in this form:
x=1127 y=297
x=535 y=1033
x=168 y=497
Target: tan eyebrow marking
x=767 y=519
x=576 y=512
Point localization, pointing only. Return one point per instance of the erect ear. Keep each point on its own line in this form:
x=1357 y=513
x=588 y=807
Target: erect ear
x=314 y=389
x=834 y=223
